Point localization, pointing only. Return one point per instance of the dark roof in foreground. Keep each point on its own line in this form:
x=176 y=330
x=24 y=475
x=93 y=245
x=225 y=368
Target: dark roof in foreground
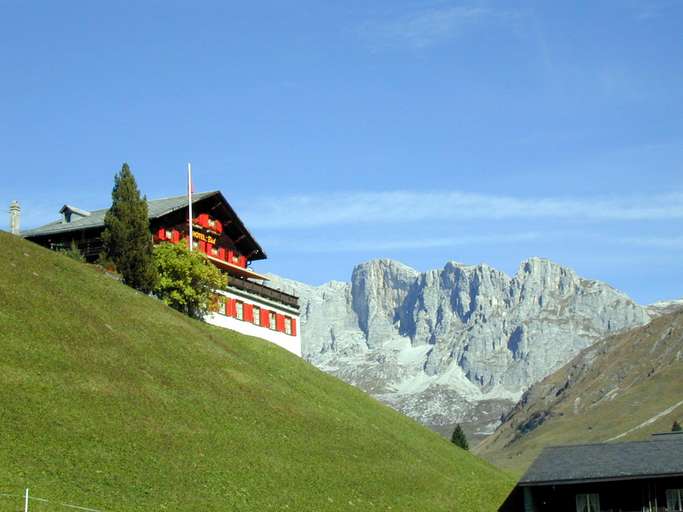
x=95 y=219
x=660 y=456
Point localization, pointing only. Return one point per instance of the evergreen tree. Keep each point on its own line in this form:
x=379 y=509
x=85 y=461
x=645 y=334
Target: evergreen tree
x=127 y=239
x=459 y=439
x=676 y=427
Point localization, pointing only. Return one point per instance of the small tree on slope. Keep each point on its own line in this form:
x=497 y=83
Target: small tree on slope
x=459 y=439
x=186 y=279
x=676 y=427
x=127 y=239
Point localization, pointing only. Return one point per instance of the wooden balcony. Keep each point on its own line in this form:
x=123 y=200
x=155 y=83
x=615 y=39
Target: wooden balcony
x=264 y=291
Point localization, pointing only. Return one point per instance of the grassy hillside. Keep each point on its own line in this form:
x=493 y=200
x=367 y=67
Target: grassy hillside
x=625 y=387
x=110 y=400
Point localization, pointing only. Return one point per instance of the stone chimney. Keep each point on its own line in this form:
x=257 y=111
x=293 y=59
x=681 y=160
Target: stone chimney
x=14 y=216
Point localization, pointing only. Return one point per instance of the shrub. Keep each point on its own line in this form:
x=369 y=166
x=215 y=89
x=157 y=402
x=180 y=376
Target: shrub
x=73 y=252
x=186 y=280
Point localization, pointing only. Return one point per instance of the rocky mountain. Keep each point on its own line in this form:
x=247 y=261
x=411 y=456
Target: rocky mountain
x=459 y=344
x=624 y=387
x=664 y=307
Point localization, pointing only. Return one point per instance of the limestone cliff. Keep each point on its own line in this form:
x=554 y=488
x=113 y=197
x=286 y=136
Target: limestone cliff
x=458 y=344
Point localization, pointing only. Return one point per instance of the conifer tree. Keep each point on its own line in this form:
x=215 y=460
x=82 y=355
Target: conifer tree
x=676 y=427
x=127 y=239
x=459 y=439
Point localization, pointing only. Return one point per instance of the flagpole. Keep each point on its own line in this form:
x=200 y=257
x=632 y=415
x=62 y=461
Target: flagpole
x=189 y=200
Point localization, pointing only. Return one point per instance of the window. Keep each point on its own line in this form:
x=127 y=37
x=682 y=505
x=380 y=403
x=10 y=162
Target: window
x=288 y=325
x=257 y=315
x=271 y=320
x=169 y=234
x=212 y=223
x=587 y=503
x=674 y=499
x=221 y=304
x=239 y=310
x=195 y=244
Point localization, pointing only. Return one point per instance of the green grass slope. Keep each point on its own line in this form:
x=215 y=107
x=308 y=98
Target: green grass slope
x=111 y=400
x=623 y=388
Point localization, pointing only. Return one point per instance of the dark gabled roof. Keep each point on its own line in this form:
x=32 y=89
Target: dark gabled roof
x=156 y=208
x=95 y=219
x=607 y=461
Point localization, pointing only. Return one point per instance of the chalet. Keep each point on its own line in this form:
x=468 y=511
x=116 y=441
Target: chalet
x=247 y=305
x=606 y=477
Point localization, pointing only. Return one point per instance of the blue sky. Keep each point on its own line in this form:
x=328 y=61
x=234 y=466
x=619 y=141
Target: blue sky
x=345 y=131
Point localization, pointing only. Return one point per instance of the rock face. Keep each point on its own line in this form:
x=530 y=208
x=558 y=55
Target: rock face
x=458 y=344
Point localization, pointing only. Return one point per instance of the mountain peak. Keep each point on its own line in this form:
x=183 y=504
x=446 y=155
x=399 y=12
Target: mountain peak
x=386 y=263
x=535 y=263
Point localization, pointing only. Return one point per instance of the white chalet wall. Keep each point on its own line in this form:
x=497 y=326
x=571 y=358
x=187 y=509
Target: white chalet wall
x=286 y=341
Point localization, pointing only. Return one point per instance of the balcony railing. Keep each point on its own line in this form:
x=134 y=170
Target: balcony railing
x=264 y=291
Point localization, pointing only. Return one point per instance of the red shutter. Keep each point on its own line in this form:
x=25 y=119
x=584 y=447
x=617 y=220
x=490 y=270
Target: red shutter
x=204 y=220
x=161 y=234
x=230 y=254
x=219 y=226
x=175 y=236
x=248 y=313
x=221 y=253
x=243 y=261
x=279 y=322
x=209 y=249
x=264 y=318
x=232 y=308
x=293 y=326
x=202 y=246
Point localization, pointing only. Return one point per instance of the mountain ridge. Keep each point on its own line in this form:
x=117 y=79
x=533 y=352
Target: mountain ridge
x=460 y=343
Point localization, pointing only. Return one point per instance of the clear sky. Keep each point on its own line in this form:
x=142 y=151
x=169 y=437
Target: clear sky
x=344 y=131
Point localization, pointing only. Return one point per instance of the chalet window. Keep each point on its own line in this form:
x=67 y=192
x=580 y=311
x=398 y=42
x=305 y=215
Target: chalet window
x=587 y=503
x=288 y=325
x=674 y=499
x=169 y=234
x=221 y=304
x=257 y=315
x=271 y=320
x=212 y=223
x=195 y=244
x=239 y=310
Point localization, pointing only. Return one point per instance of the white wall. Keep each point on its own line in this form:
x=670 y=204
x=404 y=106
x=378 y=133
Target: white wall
x=286 y=341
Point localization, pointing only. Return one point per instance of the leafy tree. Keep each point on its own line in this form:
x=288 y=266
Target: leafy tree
x=127 y=239
x=676 y=427
x=459 y=439
x=186 y=279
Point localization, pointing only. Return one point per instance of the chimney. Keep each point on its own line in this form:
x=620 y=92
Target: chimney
x=14 y=214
